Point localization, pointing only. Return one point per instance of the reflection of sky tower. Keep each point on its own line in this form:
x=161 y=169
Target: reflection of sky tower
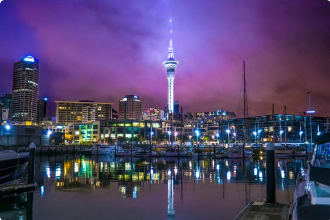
x=170 y=65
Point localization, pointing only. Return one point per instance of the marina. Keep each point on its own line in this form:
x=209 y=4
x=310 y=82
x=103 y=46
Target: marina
x=92 y=183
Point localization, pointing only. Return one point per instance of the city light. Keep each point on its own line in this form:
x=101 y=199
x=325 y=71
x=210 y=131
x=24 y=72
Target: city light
x=29 y=59
x=45 y=99
x=318 y=133
x=281 y=132
x=169 y=132
x=255 y=133
x=217 y=135
x=310 y=111
x=151 y=133
x=8 y=127
x=49 y=132
x=301 y=133
x=228 y=131
x=175 y=134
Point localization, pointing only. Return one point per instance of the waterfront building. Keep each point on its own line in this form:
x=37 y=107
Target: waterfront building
x=42 y=109
x=6 y=103
x=284 y=128
x=83 y=133
x=131 y=130
x=20 y=135
x=170 y=65
x=71 y=112
x=25 y=90
x=153 y=114
x=130 y=108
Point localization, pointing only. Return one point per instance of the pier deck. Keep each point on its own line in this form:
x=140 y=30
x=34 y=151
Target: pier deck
x=16 y=189
x=264 y=211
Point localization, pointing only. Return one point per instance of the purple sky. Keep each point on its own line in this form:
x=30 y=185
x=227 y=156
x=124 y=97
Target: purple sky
x=102 y=50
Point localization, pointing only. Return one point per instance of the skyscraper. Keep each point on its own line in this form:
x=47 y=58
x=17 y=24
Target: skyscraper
x=130 y=108
x=42 y=109
x=170 y=65
x=25 y=89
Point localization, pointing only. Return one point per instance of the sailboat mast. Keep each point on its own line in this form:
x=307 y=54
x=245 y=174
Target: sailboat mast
x=245 y=110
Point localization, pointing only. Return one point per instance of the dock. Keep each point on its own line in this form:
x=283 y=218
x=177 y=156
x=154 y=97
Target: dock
x=16 y=189
x=264 y=211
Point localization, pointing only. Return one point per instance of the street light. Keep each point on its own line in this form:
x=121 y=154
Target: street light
x=228 y=132
x=8 y=127
x=300 y=134
x=255 y=137
x=151 y=134
x=169 y=136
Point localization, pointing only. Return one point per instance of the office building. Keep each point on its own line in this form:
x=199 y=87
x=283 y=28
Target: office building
x=6 y=101
x=42 y=109
x=25 y=90
x=130 y=108
x=153 y=114
x=70 y=112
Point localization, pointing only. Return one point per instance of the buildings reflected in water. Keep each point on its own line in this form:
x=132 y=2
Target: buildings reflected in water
x=131 y=176
x=150 y=182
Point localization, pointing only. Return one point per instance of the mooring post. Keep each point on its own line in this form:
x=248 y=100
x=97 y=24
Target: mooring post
x=270 y=160
x=32 y=149
x=214 y=154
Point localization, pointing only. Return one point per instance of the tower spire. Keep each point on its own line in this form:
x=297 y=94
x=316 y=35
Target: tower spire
x=170 y=65
x=170 y=48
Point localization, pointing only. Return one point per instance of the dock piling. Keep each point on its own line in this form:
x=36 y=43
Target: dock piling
x=32 y=149
x=270 y=160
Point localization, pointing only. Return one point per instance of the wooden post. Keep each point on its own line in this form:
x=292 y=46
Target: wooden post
x=214 y=154
x=32 y=148
x=270 y=160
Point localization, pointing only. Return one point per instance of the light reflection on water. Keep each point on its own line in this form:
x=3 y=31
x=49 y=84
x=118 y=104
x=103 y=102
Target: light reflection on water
x=104 y=188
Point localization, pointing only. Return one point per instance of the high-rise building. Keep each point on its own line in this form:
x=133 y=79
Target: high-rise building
x=6 y=102
x=130 y=108
x=170 y=65
x=153 y=114
x=25 y=90
x=69 y=112
x=42 y=109
x=176 y=108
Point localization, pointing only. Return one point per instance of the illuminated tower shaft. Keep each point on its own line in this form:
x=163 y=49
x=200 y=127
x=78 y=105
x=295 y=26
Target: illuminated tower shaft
x=170 y=65
x=170 y=195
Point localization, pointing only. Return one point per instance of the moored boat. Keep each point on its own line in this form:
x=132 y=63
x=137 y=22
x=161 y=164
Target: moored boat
x=12 y=165
x=312 y=194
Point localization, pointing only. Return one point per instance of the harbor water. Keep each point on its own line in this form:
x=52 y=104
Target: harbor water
x=85 y=187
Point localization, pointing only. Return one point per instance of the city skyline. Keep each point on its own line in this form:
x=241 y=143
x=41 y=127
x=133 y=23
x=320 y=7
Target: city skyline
x=111 y=42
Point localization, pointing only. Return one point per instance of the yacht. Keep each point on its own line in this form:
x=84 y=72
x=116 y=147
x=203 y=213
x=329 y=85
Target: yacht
x=312 y=193
x=103 y=150
x=12 y=165
x=236 y=151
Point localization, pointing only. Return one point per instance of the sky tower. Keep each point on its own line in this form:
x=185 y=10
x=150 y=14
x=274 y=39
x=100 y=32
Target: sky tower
x=170 y=65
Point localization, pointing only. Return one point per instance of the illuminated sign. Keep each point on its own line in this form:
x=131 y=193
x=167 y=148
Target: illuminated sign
x=29 y=59
x=310 y=112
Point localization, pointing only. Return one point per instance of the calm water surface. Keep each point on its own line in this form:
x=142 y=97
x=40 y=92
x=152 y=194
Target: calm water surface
x=103 y=188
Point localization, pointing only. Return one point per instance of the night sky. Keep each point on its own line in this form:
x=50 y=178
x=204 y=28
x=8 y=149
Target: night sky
x=102 y=50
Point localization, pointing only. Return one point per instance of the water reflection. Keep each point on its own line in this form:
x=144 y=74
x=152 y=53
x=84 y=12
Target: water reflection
x=194 y=188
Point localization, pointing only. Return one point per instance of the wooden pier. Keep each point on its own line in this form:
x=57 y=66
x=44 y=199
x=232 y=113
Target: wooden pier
x=16 y=189
x=264 y=211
